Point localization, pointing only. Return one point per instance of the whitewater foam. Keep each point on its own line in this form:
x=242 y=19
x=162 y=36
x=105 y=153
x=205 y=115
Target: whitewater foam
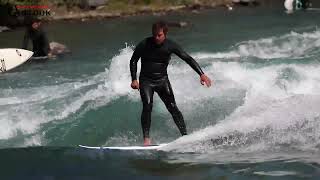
x=268 y=108
x=292 y=45
x=271 y=92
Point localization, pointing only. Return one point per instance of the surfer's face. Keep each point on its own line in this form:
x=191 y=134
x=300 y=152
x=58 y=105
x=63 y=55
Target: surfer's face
x=36 y=25
x=159 y=37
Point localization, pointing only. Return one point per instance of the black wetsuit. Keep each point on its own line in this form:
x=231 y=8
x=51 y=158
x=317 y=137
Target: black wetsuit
x=39 y=41
x=154 y=78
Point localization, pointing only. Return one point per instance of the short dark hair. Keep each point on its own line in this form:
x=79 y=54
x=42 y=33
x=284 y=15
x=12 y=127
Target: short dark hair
x=35 y=20
x=30 y=20
x=156 y=27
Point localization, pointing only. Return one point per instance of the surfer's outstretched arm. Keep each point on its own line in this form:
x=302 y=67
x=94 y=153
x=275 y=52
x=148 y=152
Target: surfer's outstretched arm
x=193 y=63
x=186 y=57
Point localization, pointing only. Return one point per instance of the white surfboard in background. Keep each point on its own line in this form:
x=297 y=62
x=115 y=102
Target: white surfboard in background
x=11 y=58
x=292 y=5
x=288 y=4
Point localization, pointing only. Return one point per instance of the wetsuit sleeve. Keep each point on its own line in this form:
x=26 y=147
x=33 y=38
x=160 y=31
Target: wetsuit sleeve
x=134 y=60
x=25 y=41
x=176 y=49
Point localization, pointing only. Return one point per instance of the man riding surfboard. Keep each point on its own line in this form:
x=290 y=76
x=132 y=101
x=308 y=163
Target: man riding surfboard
x=155 y=53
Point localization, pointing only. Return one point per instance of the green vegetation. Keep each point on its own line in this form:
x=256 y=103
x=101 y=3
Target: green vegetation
x=79 y=9
x=127 y=6
x=118 y=5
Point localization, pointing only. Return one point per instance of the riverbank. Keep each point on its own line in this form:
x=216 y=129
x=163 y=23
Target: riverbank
x=265 y=100
x=55 y=10
x=124 y=9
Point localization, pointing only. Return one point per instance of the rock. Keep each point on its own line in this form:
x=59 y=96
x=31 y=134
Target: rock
x=100 y=7
x=195 y=7
x=92 y=4
x=4 y=28
x=58 y=49
x=246 y=2
x=195 y=11
x=178 y=24
x=229 y=7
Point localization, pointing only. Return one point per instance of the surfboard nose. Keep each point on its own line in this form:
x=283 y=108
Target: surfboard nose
x=25 y=54
x=12 y=57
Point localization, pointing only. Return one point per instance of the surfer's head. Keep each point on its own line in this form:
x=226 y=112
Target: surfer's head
x=159 y=31
x=35 y=23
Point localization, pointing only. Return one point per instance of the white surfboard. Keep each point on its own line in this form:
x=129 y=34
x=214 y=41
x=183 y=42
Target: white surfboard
x=152 y=147
x=292 y=5
x=39 y=58
x=11 y=58
x=288 y=4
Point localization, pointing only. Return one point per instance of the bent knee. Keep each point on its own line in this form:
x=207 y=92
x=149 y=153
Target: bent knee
x=172 y=107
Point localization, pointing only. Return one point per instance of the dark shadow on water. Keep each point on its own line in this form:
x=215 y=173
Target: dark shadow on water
x=78 y=163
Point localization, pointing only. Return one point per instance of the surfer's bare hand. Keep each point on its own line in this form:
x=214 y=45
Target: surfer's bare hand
x=205 y=80
x=135 y=84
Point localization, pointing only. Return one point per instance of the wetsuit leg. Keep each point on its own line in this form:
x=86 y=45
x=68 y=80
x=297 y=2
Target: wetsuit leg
x=166 y=94
x=146 y=93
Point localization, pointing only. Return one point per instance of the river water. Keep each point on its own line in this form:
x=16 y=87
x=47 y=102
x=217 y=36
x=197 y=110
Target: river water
x=260 y=119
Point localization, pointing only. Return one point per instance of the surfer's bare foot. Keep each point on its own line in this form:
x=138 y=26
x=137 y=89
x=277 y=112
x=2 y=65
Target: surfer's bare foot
x=147 y=142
